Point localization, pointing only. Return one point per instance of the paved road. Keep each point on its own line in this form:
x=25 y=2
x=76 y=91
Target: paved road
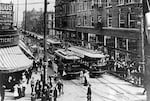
x=105 y=88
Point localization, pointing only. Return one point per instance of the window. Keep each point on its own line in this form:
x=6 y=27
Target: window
x=132 y=20
x=121 y=19
x=84 y=5
x=84 y=20
x=92 y=20
x=120 y=2
x=99 y=18
x=79 y=21
x=109 y=3
x=99 y=2
x=109 y=19
x=130 y=1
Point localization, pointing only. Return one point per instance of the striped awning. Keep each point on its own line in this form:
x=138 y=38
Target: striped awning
x=12 y=59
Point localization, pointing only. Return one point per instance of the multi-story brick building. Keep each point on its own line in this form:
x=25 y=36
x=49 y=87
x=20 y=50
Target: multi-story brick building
x=93 y=23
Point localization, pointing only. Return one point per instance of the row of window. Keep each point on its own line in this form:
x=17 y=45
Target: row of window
x=122 y=2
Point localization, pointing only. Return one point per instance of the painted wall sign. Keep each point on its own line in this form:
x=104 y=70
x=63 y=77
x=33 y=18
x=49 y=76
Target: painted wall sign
x=6 y=15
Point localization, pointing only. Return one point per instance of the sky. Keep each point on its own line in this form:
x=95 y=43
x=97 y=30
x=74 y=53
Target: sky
x=36 y=4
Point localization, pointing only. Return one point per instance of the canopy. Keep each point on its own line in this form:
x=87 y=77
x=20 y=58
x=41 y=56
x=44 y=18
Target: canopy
x=12 y=59
x=25 y=48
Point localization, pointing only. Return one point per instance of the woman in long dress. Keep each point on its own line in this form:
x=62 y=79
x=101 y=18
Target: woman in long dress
x=16 y=91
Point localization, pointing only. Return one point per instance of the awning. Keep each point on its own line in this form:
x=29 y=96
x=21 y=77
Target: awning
x=25 y=49
x=12 y=59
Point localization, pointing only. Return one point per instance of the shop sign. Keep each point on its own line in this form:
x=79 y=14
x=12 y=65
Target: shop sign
x=6 y=15
x=6 y=41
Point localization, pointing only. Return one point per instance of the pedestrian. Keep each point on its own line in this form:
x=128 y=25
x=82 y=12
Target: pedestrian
x=86 y=78
x=3 y=92
x=59 y=86
x=24 y=81
x=19 y=90
x=37 y=89
x=45 y=96
x=89 y=93
x=32 y=84
x=16 y=91
x=50 y=81
x=55 y=94
x=81 y=77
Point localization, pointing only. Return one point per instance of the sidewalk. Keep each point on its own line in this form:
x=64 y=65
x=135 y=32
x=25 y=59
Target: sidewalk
x=9 y=95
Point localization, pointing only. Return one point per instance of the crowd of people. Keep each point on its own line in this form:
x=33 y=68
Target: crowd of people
x=129 y=70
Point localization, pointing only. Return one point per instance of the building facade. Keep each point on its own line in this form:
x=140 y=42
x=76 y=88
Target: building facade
x=114 y=24
x=51 y=23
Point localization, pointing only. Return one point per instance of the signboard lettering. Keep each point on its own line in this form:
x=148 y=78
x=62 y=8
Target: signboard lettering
x=6 y=15
x=9 y=41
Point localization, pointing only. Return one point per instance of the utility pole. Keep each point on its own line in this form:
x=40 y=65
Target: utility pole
x=45 y=46
x=146 y=11
x=25 y=15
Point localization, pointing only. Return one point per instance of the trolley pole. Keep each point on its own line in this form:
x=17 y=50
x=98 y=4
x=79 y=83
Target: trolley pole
x=45 y=46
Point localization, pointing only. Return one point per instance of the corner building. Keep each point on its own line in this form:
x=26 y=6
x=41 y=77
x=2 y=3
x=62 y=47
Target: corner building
x=114 y=24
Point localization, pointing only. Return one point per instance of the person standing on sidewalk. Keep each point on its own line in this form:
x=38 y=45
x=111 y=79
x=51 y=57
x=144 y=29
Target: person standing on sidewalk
x=89 y=93
x=32 y=85
x=55 y=94
x=59 y=86
x=3 y=92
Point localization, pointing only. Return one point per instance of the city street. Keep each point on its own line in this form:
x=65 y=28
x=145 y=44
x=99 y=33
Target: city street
x=105 y=88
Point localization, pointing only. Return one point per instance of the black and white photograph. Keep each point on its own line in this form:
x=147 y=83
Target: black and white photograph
x=74 y=50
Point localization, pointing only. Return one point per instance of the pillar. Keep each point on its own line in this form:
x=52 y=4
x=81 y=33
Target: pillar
x=116 y=45
x=82 y=37
x=127 y=49
x=105 y=41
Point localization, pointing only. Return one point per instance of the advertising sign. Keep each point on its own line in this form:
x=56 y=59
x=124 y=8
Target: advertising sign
x=6 y=15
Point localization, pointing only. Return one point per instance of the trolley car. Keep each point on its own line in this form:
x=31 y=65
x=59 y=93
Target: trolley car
x=67 y=61
x=53 y=45
x=93 y=61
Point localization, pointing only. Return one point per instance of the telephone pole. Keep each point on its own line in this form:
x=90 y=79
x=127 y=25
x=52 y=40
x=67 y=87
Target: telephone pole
x=25 y=15
x=45 y=46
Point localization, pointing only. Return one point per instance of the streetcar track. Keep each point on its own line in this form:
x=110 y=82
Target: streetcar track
x=103 y=97
x=122 y=88
x=117 y=87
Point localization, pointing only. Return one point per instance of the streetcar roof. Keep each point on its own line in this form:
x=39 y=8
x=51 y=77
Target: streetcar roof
x=66 y=54
x=53 y=41
x=86 y=52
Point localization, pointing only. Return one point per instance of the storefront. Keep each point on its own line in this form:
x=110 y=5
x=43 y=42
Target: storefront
x=12 y=58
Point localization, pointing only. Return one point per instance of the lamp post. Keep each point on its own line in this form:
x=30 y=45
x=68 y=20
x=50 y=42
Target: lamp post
x=45 y=46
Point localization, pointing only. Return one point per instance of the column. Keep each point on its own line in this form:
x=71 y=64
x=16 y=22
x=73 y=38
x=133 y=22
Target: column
x=82 y=37
x=116 y=45
x=105 y=37
x=89 y=44
x=127 y=49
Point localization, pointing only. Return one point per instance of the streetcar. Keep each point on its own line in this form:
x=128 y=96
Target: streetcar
x=67 y=62
x=94 y=61
x=53 y=44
